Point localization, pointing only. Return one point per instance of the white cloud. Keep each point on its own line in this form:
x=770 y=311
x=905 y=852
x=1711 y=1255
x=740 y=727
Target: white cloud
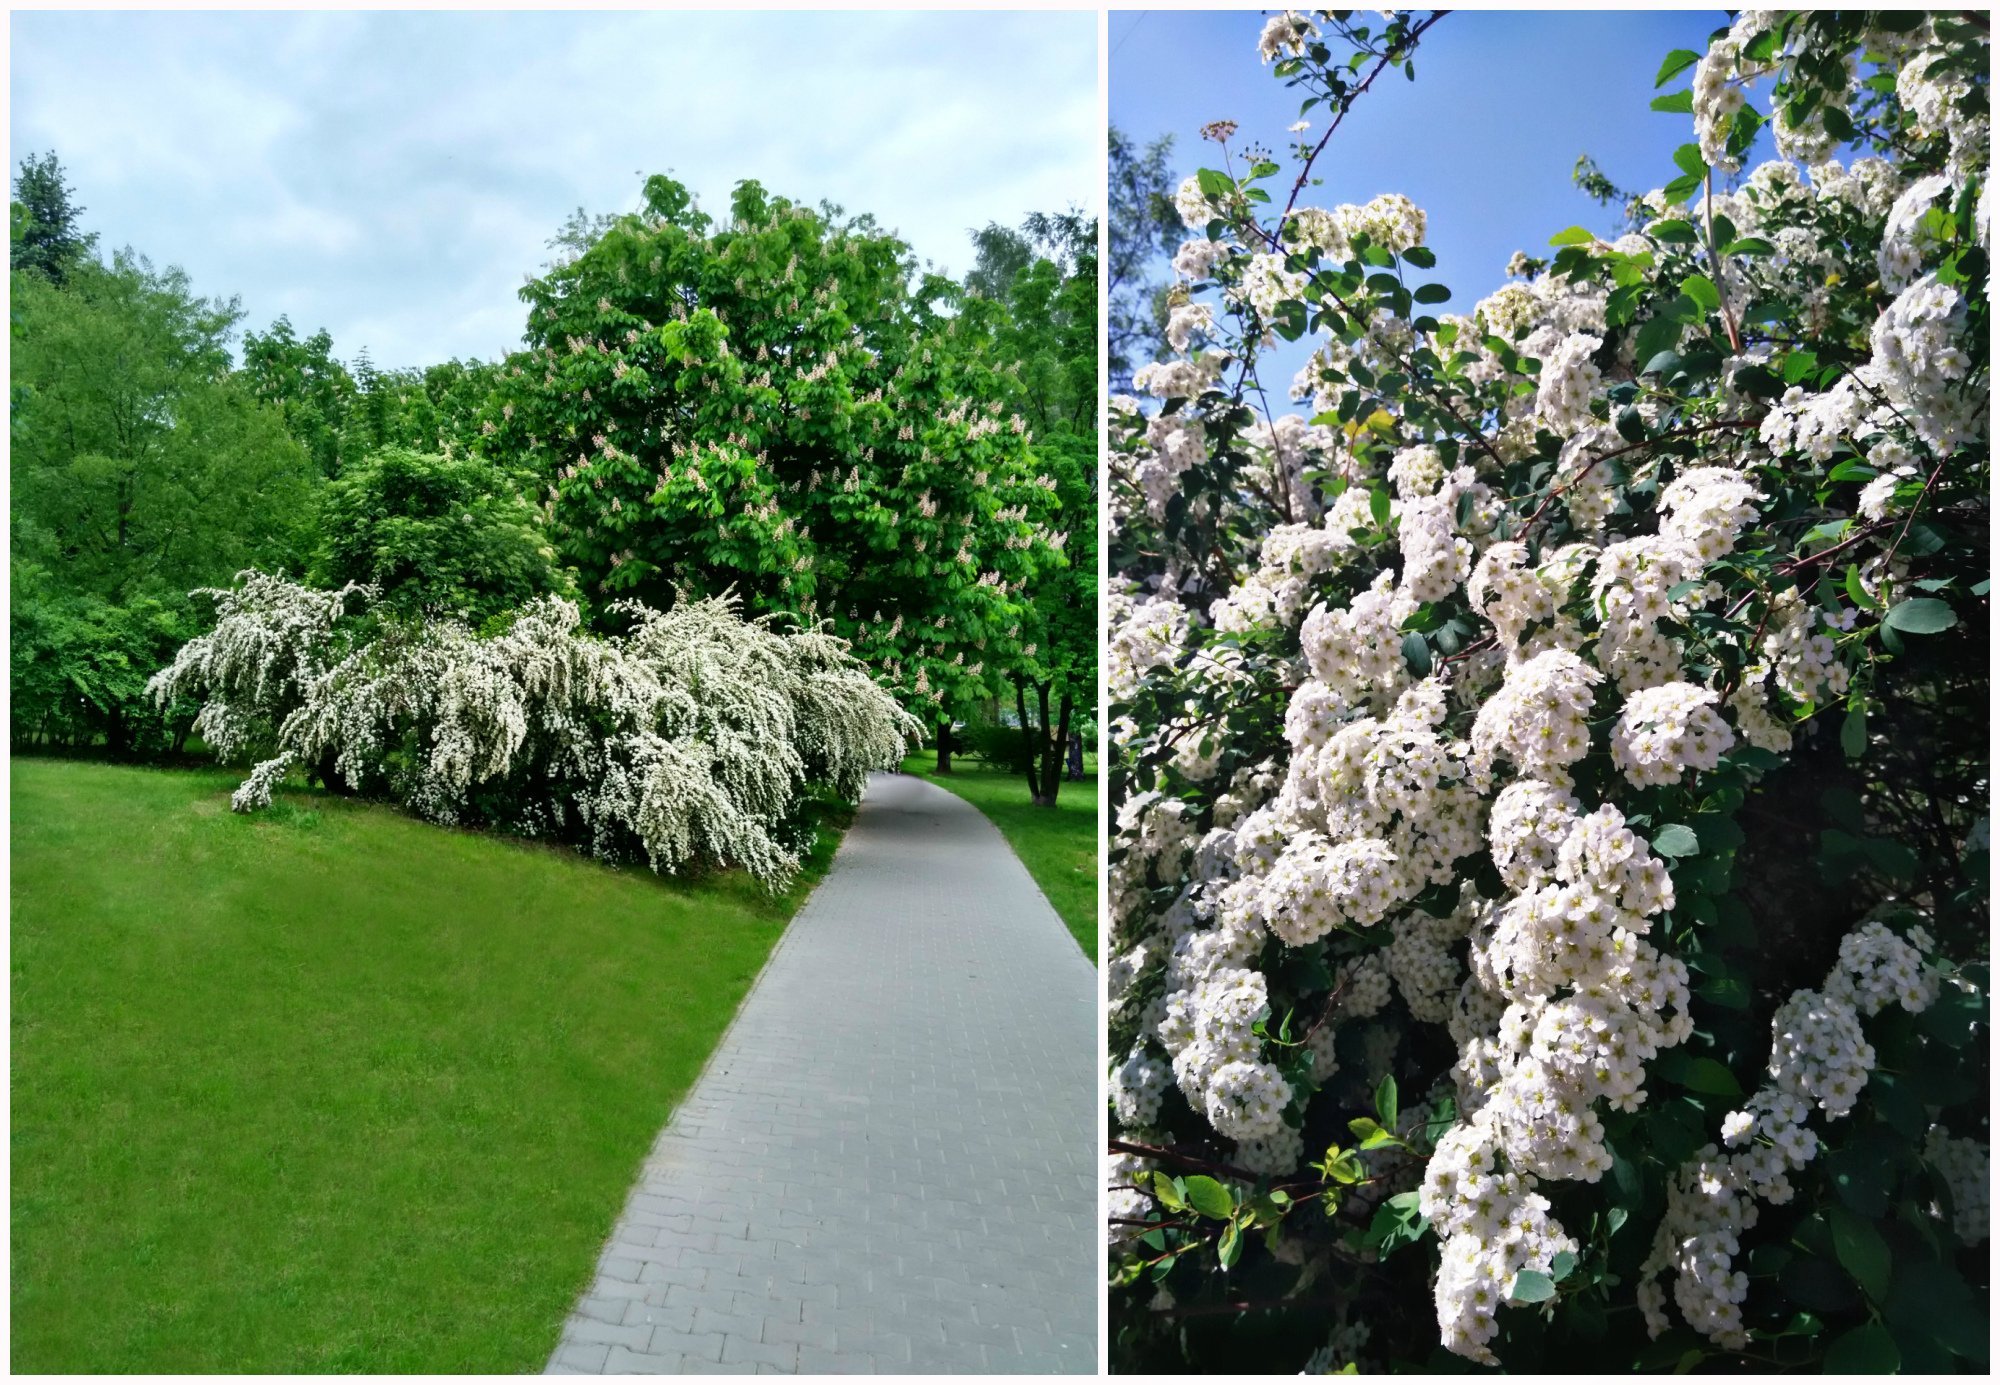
x=392 y=176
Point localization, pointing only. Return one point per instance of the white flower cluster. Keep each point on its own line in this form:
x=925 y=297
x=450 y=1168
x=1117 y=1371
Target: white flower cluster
x=1569 y=381
x=1285 y=35
x=1905 y=241
x=1197 y=259
x=1665 y=731
x=1195 y=206
x=1538 y=719
x=1127 y=1200
x=1217 y=1058
x=1187 y=321
x=1718 y=96
x=1801 y=651
x=1136 y=1087
x=1266 y=283
x=1820 y=1059
x=1493 y=1225
x=1391 y=221
x=1966 y=1167
x=1140 y=635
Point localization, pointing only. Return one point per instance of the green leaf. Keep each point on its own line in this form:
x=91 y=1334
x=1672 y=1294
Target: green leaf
x=1231 y=1247
x=1674 y=232
x=1676 y=839
x=1431 y=293
x=1678 y=61
x=1675 y=102
x=1164 y=1189
x=1575 y=235
x=1378 y=507
x=1727 y=991
x=1532 y=1286
x=1562 y=1266
x=1683 y=309
x=1209 y=1197
x=1385 y=1101
x=1213 y=185
x=1749 y=245
x=1865 y=1350
x=1370 y=1135
x=1688 y=160
x=1861 y=1251
x=1857 y=593
x=1703 y=1075
x=1702 y=290
x=1798 y=365
x=1417 y=655
x=1422 y=256
x=1854 y=733
x=1920 y=615
x=1662 y=333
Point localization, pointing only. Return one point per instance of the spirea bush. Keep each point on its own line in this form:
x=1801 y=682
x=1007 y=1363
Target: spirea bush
x=1550 y=762
x=689 y=740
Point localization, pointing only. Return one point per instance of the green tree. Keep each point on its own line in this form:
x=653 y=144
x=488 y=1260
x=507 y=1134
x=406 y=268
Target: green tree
x=771 y=405
x=1144 y=227
x=47 y=236
x=1035 y=293
x=141 y=467
x=141 y=464
x=312 y=390
x=451 y=534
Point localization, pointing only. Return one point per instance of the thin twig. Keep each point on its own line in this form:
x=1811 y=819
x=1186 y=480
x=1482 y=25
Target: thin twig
x=1715 y=262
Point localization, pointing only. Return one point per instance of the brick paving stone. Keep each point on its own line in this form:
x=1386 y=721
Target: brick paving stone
x=909 y=1086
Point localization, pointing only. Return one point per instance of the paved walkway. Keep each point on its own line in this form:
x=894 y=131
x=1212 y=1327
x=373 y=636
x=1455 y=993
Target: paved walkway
x=888 y=1164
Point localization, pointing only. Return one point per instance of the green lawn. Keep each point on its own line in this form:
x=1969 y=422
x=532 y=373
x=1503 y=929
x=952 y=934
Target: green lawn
x=1058 y=845
x=330 y=1088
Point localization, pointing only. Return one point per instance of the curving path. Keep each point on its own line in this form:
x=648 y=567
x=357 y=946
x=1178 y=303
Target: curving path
x=887 y=1164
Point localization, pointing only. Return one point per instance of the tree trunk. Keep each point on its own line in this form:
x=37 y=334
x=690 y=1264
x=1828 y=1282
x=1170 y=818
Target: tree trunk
x=328 y=774
x=1048 y=741
x=944 y=746
x=116 y=736
x=1030 y=741
x=1052 y=763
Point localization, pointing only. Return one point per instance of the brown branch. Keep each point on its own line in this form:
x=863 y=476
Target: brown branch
x=1176 y=1156
x=1347 y=104
x=1248 y=1305
x=1694 y=431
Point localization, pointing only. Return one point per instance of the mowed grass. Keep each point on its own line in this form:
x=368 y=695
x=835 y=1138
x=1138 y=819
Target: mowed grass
x=331 y=1089
x=1058 y=845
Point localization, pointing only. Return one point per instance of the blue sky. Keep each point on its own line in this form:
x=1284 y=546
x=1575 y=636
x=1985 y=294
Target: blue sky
x=1484 y=140
x=392 y=177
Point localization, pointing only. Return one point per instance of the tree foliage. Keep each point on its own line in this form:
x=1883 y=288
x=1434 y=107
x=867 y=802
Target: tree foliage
x=140 y=464
x=1144 y=227
x=47 y=235
x=450 y=534
x=1550 y=878
x=140 y=468
x=770 y=406
x=1034 y=293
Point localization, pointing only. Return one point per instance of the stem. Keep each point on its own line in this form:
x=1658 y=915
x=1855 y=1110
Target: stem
x=1347 y=104
x=1715 y=261
x=1174 y=1155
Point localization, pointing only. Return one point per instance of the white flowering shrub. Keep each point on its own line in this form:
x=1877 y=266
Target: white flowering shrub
x=1549 y=765
x=690 y=740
